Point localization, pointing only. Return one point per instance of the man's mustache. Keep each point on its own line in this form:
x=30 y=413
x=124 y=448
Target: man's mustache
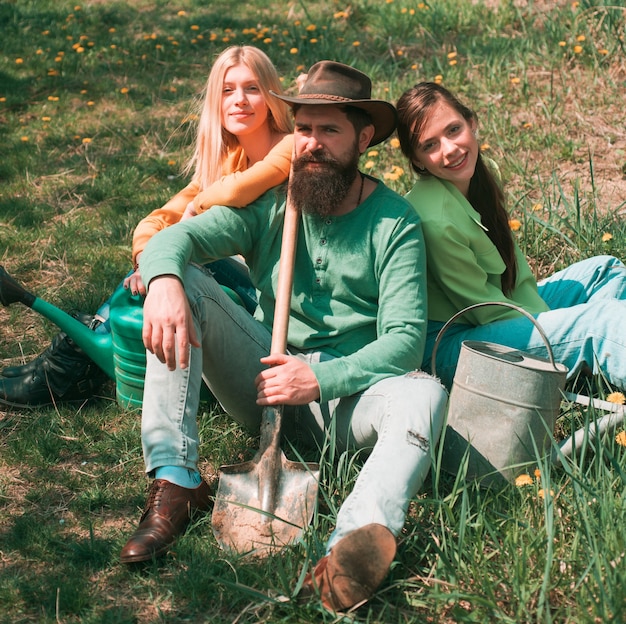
x=313 y=158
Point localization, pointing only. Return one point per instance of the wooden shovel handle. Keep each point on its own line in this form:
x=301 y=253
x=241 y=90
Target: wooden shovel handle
x=285 y=279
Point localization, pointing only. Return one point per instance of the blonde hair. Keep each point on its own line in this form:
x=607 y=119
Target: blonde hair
x=213 y=142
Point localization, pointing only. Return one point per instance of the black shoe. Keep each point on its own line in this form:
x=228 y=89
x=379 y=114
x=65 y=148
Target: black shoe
x=57 y=341
x=61 y=374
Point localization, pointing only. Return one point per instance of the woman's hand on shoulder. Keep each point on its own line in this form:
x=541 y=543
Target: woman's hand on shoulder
x=190 y=211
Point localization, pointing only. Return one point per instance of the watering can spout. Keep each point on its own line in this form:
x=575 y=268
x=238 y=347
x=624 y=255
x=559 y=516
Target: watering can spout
x=98 y=346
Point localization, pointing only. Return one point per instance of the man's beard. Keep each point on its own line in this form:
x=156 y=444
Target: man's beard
x=321 y=191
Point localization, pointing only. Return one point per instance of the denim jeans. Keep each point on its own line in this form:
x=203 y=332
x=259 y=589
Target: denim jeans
x=584 y=326
x=397 y=420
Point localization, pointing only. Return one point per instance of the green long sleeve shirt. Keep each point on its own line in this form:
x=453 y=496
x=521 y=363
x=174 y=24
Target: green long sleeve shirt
x=359 y=281
x=464 y=266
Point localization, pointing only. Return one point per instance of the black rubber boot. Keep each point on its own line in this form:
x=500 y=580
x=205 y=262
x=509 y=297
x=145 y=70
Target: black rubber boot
x=30 y=367
x=62 y=373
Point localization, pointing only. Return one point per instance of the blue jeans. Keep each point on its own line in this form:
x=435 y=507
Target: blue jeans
x=398 y=420
x=584 y=326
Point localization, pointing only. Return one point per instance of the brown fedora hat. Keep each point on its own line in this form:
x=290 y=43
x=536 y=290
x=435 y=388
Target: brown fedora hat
x=334 y=83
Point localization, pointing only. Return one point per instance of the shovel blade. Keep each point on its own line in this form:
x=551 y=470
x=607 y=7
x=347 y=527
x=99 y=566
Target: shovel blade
x=238 y=523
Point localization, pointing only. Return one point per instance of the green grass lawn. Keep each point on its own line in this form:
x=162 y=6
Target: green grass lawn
x=97 y=119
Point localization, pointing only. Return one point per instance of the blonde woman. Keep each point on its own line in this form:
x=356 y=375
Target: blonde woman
x=243 y=148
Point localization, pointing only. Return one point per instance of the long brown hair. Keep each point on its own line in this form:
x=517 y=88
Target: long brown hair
x=485 y=193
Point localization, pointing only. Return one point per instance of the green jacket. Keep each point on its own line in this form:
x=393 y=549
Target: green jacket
x=464 y=266
x=359 y=281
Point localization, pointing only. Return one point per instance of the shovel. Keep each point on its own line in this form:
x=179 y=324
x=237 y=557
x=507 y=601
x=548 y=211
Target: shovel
x=263 y=505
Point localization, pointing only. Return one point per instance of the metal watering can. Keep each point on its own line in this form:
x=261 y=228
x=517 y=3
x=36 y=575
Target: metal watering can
x=120 y=354
x=503 y=408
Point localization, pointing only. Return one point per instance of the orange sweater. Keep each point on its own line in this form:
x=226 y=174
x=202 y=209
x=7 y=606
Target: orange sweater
x=239 y=186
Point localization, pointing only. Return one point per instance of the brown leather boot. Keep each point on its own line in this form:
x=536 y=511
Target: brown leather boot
x=354 y=569
x=167 y=514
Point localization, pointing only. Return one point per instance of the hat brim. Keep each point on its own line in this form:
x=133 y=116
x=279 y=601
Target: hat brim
x=384 y=115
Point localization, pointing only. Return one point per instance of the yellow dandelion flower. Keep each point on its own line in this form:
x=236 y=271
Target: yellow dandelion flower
x=527 y=125
x=395 y=173
x=195 y=27
x=19 y=61
x=340 y=15
x=515 y=224
x=616 y=397
x=537 y=473
x=267 y=40
x=522 y=480
x=311 y=27
x=80 y=49
x=86 y=140
x=112 y=30
x=562 y=43
x=438 y=79
x=395 y=143
x=53 y=72
x=412 y=12
x=389 y=1
x=293 y=51
x=181 y=13
x=485 y=147
x=39 y=52
x=606 y=237
x=369 y=164
x=58 y=59
x=575 y=5
x=452 y=62
x=171 y=163
x=537 y=207
x=46 y=119
x=3 y=99
x=45 y=33
x=542 y=493
x=158 y=46
x=90 y=103
x=581 y=38
x=603 y=51
x=414 y=66
x=451 y=55
x=24 y=139
x=578 y=49
x=372 y=153
x=515 y=80
x=124 y=90
x=313 y=40
x=620 y=438
x=356 y=44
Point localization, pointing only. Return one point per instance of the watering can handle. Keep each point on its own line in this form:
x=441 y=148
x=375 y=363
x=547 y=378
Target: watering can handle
x=506 y=304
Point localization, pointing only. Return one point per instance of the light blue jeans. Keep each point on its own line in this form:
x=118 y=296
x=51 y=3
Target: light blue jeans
x=584 y=326
x=398 y=419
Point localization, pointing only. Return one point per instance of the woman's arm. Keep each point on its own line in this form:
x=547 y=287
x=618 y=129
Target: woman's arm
x=237 y=188
x=241 y=187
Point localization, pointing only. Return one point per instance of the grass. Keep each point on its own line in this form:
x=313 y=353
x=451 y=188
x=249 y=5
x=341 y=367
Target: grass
x=96 y=118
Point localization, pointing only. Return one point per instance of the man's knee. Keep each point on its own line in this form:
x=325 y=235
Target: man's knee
x=421 y=399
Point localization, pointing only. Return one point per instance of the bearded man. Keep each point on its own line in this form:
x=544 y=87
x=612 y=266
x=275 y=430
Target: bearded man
x=356 y=336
